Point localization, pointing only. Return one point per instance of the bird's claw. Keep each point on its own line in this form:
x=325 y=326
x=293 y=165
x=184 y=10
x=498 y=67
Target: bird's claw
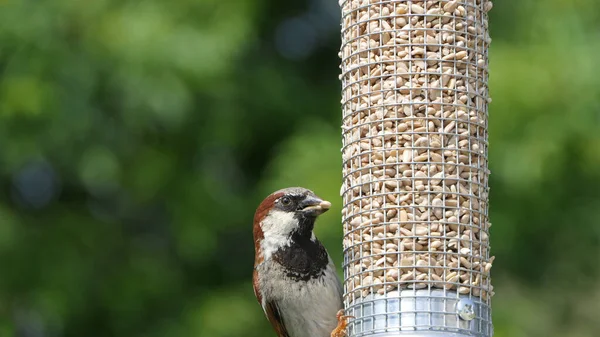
x=340 y=330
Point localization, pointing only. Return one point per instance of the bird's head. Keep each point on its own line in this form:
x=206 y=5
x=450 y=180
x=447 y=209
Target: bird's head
x=286 y=213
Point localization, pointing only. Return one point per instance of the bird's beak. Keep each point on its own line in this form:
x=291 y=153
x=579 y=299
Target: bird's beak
x=314 y=206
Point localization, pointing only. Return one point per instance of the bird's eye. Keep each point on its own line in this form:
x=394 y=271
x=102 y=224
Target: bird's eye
x=286 y=201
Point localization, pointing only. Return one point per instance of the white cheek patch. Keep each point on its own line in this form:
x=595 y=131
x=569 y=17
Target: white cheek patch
x=277 y=228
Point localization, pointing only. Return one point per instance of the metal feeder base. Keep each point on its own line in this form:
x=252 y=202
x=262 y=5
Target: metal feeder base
x=420 y=313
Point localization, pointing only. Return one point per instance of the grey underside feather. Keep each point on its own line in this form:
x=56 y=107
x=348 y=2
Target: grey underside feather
x=307 y=309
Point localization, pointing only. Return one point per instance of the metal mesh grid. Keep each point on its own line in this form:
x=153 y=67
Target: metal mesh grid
x=415 y=186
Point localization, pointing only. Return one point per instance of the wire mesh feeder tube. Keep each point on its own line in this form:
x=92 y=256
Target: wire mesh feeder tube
x=415 y=187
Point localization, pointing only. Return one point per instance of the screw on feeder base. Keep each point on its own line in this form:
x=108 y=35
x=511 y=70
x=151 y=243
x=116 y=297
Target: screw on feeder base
x=466 y=309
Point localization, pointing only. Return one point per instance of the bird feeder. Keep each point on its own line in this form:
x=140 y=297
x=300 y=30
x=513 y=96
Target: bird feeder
x=415 y=170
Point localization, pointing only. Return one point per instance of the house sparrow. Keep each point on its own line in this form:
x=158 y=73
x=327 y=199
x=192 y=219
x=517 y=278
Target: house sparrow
x=294 y=278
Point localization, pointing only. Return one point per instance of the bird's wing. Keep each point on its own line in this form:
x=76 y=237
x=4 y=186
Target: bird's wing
x=274 y=316
x=270 y=308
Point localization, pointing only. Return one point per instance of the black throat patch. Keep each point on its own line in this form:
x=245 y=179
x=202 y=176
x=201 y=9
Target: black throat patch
x=304 y=259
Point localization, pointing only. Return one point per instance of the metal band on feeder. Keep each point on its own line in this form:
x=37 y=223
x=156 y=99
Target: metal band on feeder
x=415 y=188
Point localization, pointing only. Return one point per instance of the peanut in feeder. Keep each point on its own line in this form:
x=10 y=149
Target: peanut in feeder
x=415 y=189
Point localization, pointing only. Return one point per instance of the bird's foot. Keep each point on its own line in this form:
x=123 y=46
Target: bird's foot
x=340 y=330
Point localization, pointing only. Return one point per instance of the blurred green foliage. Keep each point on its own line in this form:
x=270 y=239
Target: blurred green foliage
x=137 y=138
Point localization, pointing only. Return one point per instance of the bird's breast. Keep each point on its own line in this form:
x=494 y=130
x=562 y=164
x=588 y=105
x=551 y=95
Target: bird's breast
x=308 y=307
